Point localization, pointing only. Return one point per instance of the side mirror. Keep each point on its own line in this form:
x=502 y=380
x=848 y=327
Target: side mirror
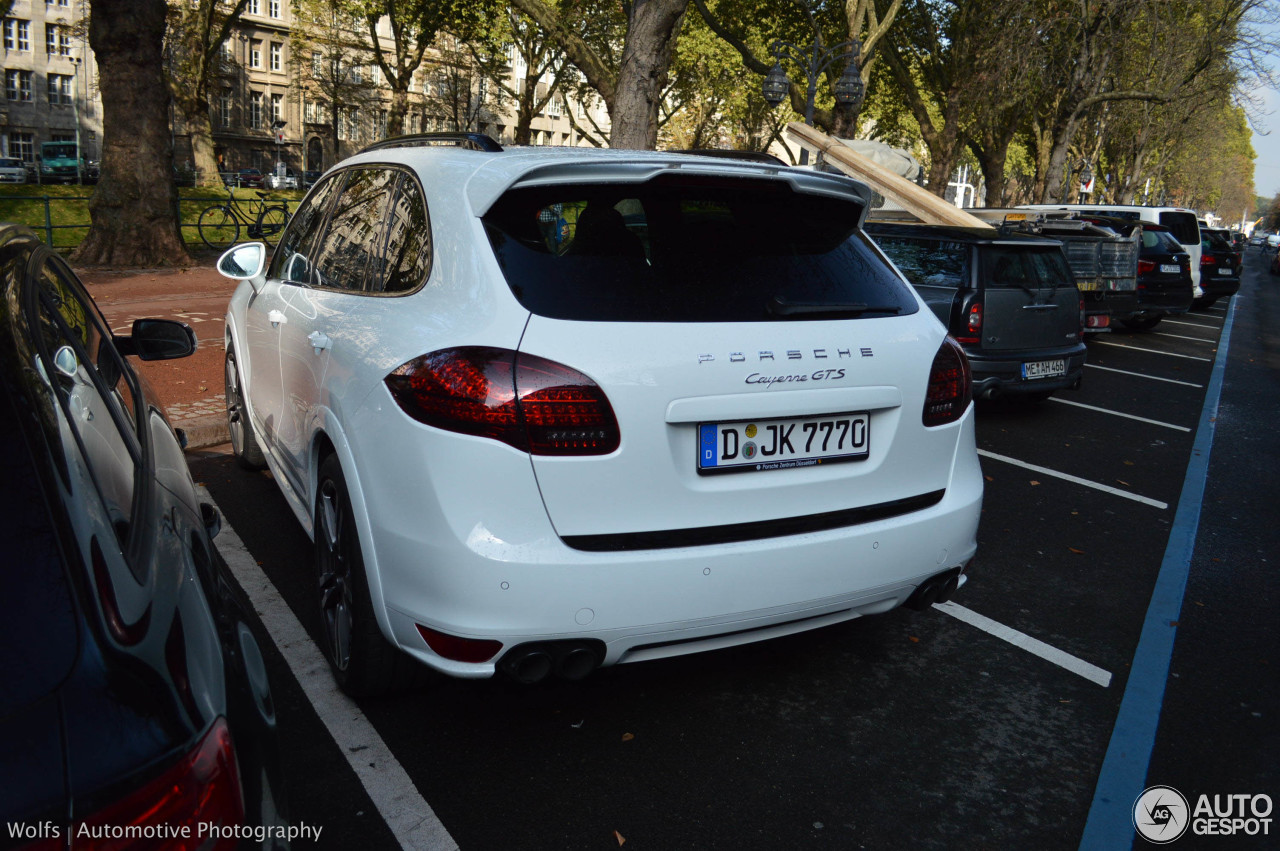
x=242 y=262
x=158 y=339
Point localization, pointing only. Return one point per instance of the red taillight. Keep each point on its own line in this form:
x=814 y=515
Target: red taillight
x=949 y=392
x=459 y=649
x=1146 y=267
x=1208 y=260
x=195 y=804
x=973 y=324
x=525 y=401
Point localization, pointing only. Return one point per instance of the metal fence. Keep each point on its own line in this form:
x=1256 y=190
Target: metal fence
x=56 y=217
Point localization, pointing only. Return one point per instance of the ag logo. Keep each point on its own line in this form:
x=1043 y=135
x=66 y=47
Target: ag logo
x=1161 y=814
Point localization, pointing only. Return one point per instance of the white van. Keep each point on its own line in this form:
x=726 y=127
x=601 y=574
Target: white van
x=1181 y=221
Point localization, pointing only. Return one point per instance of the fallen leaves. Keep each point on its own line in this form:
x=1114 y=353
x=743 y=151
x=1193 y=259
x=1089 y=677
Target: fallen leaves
x=1076 y=551
x=1034 y=483
x=626 y=737
x=622 y=840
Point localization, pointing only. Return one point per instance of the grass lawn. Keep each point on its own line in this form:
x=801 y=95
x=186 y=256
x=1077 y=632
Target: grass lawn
x=63 y=210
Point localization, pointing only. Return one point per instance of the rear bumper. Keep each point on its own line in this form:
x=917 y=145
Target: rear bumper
x=442 y=566
x=998 y=374
x=1220 y=285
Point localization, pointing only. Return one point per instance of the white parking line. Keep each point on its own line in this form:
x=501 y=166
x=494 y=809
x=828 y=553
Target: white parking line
x=1117 y=414
x=1142 y=375
x=1181 y=337
x=1075 y=479
x=1150 y=351
x=1062 y=659
x=410 y=818
x=1190 y=324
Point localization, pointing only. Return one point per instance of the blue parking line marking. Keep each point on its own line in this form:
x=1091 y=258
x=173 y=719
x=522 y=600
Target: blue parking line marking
x=1124 y=769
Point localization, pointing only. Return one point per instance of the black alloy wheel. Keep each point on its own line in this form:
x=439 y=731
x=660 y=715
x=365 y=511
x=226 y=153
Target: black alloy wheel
x=244 y=443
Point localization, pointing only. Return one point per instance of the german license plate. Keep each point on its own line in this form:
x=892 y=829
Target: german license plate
x=1170 y=268
x=1044 y=369
x=1225 y=271
x=782 y=444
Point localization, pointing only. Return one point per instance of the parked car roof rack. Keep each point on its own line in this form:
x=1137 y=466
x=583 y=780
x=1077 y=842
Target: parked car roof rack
x=475 y=141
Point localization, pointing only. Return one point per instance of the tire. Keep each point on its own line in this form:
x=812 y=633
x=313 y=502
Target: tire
x=272 y=223
x=1142 y=324
x=363 y=662
x=244 y=443
x=219 y=228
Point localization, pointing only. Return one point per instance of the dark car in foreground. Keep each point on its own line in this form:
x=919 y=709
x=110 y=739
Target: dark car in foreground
x=134 y=693
x=1220 y=267
x=1010 y=301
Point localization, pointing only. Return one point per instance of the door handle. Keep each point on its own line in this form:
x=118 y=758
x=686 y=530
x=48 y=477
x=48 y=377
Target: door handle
x=275 y=317
x=319 y=341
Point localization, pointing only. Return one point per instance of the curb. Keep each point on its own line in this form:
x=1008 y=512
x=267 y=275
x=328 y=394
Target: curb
x=203 y=432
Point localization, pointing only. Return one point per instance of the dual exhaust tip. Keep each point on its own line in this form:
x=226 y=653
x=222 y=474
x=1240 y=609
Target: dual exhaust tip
x=935 y=589
x=568 y=660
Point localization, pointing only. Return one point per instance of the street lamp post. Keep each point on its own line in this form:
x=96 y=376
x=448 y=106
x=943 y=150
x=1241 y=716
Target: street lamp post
x=849 y=89
x=75 y=116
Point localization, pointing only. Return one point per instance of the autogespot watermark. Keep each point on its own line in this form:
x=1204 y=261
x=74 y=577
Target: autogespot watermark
x=1162 y=814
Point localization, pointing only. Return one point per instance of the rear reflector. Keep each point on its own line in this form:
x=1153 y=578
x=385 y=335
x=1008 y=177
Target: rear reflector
x=459 y=649
x=949 y=391
x=525 y=401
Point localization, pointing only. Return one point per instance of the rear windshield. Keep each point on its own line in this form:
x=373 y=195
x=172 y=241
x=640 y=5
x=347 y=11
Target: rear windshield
x=929 y=263
x=1025 y=267
x=690 y=250
x=1184 y=226
x=1160 y=241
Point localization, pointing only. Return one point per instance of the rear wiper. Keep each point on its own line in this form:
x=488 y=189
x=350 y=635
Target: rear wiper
x=782 y=307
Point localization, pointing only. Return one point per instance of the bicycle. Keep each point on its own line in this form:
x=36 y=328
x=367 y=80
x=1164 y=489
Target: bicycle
x=219 y=224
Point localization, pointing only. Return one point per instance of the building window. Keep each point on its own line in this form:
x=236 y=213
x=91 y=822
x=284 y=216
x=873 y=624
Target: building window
x=382 y=124
x=17 y=34
x=57 y=40
x=350 y=126
x=317 y=63
x=255 y=110
x=224 y=108
x=277 y=108
x=309 y=112
x=23 y=146
x=273 y=9
x=60 y=89
x=277 y=56
x=356 y=76
x=553 y=106
x=225 y=52
x=255 y=54
x=63 y=3
x=254 y=8
x=18 y=85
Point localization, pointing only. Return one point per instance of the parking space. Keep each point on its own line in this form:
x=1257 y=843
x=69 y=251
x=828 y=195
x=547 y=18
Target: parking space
x=984 y=722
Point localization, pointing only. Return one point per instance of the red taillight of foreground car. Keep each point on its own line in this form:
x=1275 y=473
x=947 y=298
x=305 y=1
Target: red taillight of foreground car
x=195 y=804
x=950 y=390
x=1146 y=267
x=1208 y=260
x=531 y=403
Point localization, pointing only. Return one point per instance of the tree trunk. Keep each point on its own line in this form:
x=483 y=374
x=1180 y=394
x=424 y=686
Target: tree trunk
x=398 y=109
x=133 y=210
x=195 y=114
x=646 y=58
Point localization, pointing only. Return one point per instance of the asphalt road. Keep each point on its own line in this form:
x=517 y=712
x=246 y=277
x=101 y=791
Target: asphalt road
x=903 y=730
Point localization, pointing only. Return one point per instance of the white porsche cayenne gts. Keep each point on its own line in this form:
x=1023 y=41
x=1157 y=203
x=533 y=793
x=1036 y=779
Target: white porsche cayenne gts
x=543 y=410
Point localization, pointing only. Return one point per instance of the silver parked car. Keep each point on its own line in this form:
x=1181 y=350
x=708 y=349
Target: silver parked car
x=12 y=170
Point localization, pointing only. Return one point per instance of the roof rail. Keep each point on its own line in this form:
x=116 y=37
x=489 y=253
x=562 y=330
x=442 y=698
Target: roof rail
x=475 y=141
x=727 y=153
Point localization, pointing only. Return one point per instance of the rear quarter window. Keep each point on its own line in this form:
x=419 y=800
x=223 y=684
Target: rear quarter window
x=1025 y=267
x=1184 y=226
x=688 y=250
x=928 y=262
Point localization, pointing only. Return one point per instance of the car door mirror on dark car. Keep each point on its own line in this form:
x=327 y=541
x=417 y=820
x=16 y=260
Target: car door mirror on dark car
x=158 y=339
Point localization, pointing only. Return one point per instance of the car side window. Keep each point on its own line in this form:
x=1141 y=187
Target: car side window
x=352 y=242
x=408 y=252
x=928 y=262
x=292 y=261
